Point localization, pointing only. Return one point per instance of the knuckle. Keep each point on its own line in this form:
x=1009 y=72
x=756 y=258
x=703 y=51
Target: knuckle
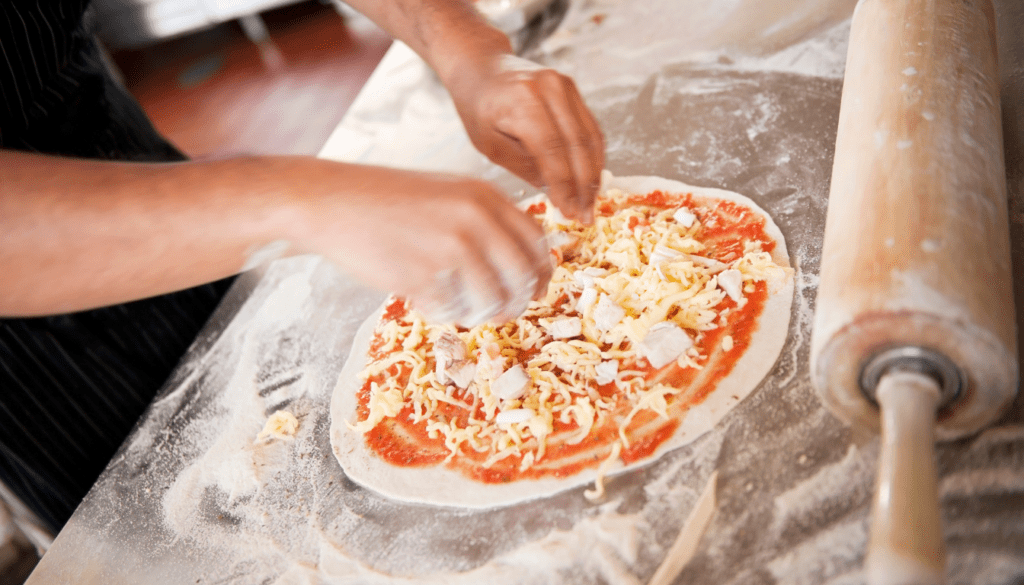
x=525 y=89
x=549 y=75
x=561 y=182
x=553 y=144
x=581 y=143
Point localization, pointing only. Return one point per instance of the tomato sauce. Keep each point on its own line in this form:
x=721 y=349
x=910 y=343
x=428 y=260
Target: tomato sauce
x=538 y=208
x=726 y=226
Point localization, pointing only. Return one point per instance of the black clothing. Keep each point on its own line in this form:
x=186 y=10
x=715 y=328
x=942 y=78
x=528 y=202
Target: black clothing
x=73 y=386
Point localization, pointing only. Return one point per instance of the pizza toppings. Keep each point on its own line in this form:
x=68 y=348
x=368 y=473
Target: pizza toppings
x=601 y=369
x=684 y=217
x=587 y=299
x=461 y=373
x=281 y=425
x=664 y=343
x=512 y=384
x=727 y=343
x=450 y=360
x=563 y=328
x=731 y=282
x=516 y=415
x=605 y=372
x=607 y=314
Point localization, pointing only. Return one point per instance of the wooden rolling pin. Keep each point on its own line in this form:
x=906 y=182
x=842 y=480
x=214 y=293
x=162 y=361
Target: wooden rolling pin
x=914 y=327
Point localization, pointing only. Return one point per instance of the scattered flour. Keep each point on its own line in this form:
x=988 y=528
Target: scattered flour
x=608 y=540
x=841 y=482
x=832 y=553
x=283 y=511
x=232 y=462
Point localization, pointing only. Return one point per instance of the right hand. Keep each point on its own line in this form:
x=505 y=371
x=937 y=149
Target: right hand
x=455 y=246
x=532 y=120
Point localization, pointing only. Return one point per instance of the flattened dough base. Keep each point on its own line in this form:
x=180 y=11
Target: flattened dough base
x=444 y=487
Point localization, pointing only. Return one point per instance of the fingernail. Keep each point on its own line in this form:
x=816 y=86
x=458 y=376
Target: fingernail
x=586 y=215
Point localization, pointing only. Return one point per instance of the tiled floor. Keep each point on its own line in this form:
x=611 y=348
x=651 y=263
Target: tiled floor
x=216 y=92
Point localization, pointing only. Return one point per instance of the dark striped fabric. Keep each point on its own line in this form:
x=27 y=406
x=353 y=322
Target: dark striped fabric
x=73 y=386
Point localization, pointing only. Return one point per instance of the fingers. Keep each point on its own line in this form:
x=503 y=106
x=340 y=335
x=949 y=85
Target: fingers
x=559 y=135
x=493 y=265
x=484 y=292
x=585 y=146
x=522 y=252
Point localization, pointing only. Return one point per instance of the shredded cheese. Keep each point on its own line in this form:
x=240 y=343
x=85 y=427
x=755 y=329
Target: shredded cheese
x=598 y=492
x=280 y=425
x=640 y=270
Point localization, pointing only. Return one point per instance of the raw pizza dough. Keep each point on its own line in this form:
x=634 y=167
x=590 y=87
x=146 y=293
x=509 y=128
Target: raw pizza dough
x=441 y=486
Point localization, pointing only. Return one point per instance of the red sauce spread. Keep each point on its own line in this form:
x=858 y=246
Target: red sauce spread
x=726 y=226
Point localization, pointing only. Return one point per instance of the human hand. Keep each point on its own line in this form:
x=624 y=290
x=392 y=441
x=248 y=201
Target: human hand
x=455 y=246
x=532 y=121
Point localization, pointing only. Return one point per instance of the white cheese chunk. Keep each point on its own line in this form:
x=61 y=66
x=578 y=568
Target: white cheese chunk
x=607 y=314
x=516 y=415
x=564 y=328
x=585 y=278
x=553 y=216
x=489 y=368
x=664 y=343
x=461 y=373
x=731 y=281
x=663 y=254
x=606 y=372
x=560 y=239
x=512 y=384
x=727 y=343
x=713 y=266
x=587 y=299
x=449 y=346
x=448 y=349
x=684 y=217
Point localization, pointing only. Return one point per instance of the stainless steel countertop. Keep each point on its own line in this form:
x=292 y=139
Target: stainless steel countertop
x=741 y=95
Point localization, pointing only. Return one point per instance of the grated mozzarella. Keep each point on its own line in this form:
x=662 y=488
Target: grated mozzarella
x=619 y=293
x=516 y=415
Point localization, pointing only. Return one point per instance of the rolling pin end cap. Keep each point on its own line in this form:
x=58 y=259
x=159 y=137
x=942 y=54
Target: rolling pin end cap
x=909 y=358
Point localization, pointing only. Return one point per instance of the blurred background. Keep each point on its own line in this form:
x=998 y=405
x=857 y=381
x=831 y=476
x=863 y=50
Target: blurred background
x=221 y=77
x=230 y=76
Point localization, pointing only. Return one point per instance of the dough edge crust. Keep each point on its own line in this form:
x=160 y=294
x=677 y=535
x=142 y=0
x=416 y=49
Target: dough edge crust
x=444 y=487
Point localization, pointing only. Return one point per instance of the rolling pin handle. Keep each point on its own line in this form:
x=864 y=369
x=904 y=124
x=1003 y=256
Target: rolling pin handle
x=906 y=545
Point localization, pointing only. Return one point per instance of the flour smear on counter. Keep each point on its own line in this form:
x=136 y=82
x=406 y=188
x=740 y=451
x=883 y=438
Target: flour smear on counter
x=276 y=526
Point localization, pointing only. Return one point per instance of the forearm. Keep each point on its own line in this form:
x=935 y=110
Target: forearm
x=445 y=33
x=77 y=234
x=524 y=117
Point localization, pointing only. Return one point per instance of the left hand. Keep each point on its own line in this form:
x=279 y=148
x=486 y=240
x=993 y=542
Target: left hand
x=532 y=121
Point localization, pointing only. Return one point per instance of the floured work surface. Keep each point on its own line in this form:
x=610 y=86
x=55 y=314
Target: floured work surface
x=192 y=497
